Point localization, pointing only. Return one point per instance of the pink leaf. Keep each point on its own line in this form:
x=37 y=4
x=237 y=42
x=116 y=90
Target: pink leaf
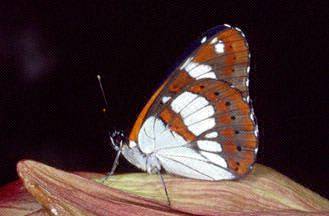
x=16 y=200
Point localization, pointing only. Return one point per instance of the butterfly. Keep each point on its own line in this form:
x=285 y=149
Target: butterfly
x=199 y=123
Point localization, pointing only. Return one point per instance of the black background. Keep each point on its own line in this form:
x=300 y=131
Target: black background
x=50 y=53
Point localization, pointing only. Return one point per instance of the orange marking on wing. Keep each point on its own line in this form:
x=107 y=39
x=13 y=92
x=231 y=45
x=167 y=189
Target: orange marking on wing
x=250 y=143
x=247 y=123
x=229 y=35
x=234 y=165
x=176 y=124
x=197 y=89
x=246 y=158
x=236 y=50
x=214 y=91
x=242 y=162
x=228 y=93
x=240 y=57
x=140 y=119
x=205 y=53
x=230 y=59
x=212 y=95
x=227 y=132
x=249 y=140
x=248 y=136
x=242 y=107
x=228 y=70
x=238 y=167
x=220 y=105
x=225 y=119
x=230 y=147
x=182 y=80
x=224 y=98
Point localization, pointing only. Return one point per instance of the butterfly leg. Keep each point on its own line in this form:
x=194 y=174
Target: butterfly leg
x=164 y=186
x=116 y=160
x=115 y=164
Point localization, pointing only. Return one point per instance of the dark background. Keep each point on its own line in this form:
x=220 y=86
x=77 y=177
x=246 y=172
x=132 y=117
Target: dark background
x=50 y=53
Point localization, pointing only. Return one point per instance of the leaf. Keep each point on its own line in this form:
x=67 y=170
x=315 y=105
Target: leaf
x=263 y=192
x=15 y=200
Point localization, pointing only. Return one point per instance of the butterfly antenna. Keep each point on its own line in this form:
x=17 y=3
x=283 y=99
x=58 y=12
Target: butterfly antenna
x=103 y=93
x=116 y=148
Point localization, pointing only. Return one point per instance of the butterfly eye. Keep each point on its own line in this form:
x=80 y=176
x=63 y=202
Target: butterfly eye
x=228 y=103
x=233 y=117
x=237 y=132
x=216 y=93
x=118 y=136
x=239 y=148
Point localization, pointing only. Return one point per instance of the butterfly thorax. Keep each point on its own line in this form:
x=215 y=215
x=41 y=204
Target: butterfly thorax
x=146 y=162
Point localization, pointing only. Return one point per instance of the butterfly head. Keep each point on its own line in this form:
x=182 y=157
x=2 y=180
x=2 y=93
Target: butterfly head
x=118 y=139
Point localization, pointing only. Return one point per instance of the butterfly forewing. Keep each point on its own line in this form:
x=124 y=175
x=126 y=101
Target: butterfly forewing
x=200 y=121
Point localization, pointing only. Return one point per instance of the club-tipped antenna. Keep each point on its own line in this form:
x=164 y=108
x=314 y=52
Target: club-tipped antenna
x=102 y=90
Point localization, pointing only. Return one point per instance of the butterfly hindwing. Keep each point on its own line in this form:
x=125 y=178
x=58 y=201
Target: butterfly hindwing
x=214 y=122
x=235 y=129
